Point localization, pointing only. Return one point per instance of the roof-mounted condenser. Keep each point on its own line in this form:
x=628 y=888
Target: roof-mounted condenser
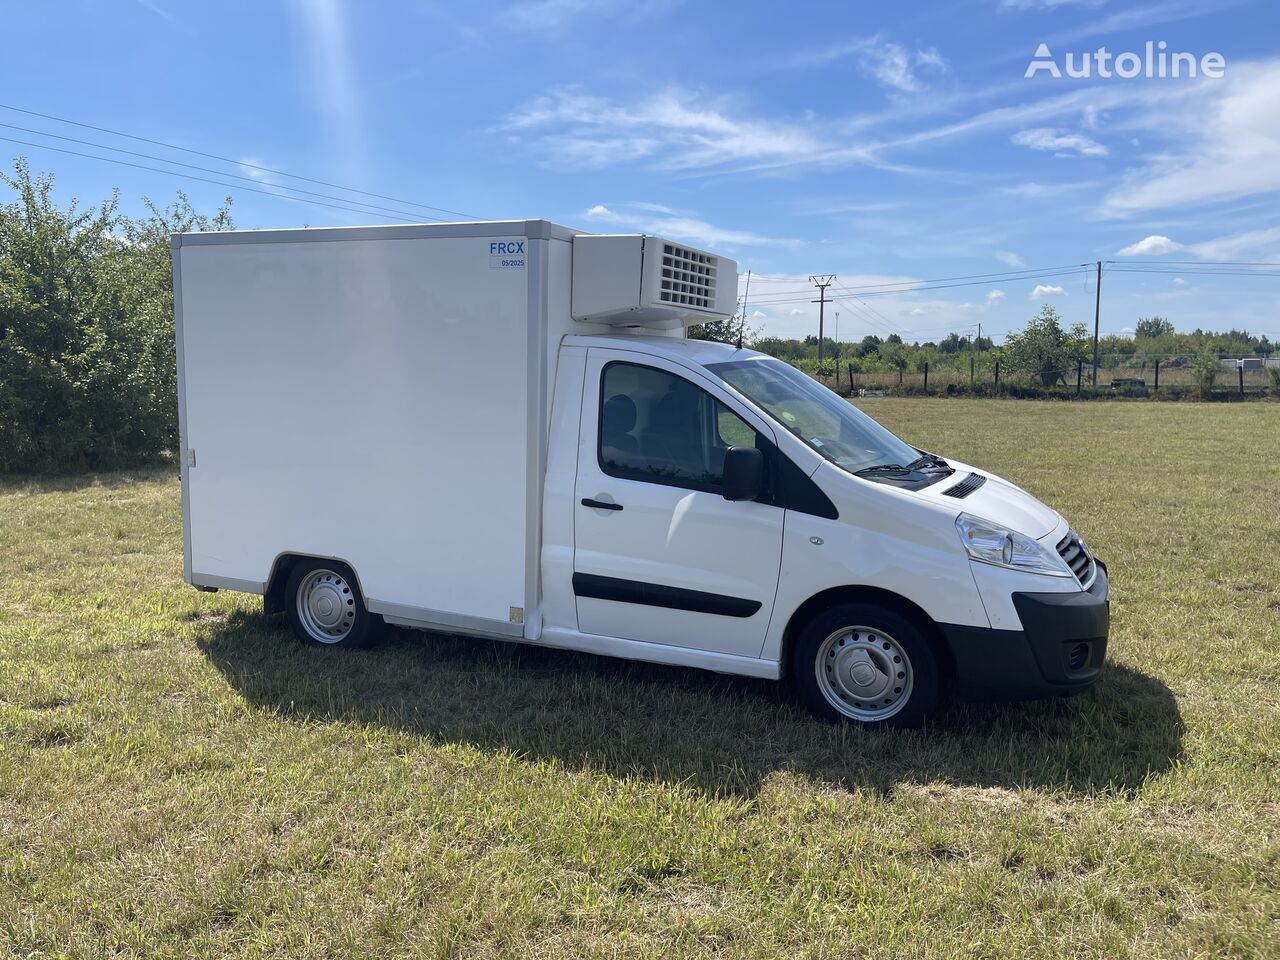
x=635 y=280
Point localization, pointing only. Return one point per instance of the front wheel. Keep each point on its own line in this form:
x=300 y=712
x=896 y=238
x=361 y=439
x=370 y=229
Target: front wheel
x=867 y=665
x=325 y=606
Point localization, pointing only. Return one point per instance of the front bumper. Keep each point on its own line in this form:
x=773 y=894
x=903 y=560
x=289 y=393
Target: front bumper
x=1059 y=650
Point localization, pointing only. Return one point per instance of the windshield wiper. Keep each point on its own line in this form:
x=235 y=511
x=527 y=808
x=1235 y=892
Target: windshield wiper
x=883 y=468
x=928 y=460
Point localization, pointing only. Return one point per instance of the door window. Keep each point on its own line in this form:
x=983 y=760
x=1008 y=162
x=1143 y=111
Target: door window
x=660 y=428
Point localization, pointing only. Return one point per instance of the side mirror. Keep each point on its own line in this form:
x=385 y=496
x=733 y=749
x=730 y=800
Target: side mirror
x=743 y=473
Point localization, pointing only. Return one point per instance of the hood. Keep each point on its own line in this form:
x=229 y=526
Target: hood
x=996 y=500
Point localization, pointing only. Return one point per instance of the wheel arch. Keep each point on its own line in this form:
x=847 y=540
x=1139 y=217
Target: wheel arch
x=274 y=600
x=857 y=593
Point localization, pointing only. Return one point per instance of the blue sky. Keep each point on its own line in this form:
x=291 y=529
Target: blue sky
x=883 y=143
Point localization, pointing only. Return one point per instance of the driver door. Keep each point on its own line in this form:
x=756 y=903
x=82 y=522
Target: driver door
x=659 y=555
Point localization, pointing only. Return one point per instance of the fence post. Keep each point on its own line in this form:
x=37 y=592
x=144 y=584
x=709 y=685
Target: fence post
x=1080 y=375
x=997 y=376
x=1157 y=374
x=900 y=369
x=851 y=379
x=1241 y=369
x=926 y=376
x=971 y=358
x=837 y=372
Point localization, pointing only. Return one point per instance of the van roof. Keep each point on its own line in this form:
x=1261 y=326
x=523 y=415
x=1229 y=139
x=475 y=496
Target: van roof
x=691 y=352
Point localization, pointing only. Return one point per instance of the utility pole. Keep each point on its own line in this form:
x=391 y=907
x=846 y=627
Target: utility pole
x=743 y=325
x=821 y=282
x=836 y=335
x=1097 y=316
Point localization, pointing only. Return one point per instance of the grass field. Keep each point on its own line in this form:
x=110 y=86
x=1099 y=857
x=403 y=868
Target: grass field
x=179 y=778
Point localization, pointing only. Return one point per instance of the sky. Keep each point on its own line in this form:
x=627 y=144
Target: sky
x=885 y=144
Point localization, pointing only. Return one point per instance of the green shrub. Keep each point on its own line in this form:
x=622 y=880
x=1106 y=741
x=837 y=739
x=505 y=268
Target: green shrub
x=87 y=371
x=1206 y=366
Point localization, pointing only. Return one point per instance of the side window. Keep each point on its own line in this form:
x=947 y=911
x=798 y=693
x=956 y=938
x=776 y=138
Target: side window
x=658 y=427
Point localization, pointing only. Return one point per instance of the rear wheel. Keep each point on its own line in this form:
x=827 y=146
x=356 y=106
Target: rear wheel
x=325 y=606
x=867 y=665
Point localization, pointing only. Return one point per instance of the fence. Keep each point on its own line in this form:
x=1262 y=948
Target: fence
x=983 y=373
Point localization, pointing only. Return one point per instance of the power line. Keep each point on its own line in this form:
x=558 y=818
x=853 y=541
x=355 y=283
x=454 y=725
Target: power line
x=252 y=166
x=925 y=286
x=220 y=173
x=189 y=176
x=1210 y=263
x=1029 y=273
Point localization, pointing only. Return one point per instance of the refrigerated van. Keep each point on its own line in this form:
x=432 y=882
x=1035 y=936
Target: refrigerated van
x=500 y=430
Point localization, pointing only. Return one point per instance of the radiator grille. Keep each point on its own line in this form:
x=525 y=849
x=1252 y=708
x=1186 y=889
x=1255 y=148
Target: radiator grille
x=965 y=487
x=688 y=277
x=1072 y=549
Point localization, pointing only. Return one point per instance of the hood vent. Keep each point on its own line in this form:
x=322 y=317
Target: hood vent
x=966 y=486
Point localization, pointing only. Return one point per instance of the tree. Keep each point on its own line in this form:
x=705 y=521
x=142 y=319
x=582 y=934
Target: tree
x=893 y=338
x=725 y=331
x=87 y=370
x=1151 y=327
x=870 y=344
x=1044 y=350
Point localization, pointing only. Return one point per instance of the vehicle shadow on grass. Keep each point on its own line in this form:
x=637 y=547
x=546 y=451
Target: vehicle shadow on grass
x=724 y=735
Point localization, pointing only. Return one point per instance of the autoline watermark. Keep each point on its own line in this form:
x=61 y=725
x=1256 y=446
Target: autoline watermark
x=1154 y=62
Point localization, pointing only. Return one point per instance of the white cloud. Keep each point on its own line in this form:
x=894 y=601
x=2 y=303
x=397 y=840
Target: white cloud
x=893 y=65
x=1010 y=259
x=1032 y=4
x=1035 y=190
x=1261 y=244
x=159 y=11
x=1179 y=282
x=995 y=297
x=1044 y=290
x=875 y=207
x=889 y=64
x=578 y=131
x=1226 y=138
x=1136 y=18
x=1152 y=246
x=550 y=16
x=663 y=221
x=1063 y=143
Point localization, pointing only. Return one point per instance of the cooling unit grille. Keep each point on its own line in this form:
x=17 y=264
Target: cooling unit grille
x=688 y=277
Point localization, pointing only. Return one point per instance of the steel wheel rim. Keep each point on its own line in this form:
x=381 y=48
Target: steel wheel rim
x=326 y=606
x=864 y=673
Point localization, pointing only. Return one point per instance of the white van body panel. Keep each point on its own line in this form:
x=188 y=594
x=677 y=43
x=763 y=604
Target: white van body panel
x=372 y=329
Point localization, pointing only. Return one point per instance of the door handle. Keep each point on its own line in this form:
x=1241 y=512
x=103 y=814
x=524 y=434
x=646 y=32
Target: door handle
x=600 y=504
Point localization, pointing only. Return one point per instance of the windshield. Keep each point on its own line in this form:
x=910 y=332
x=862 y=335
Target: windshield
x=831 y=425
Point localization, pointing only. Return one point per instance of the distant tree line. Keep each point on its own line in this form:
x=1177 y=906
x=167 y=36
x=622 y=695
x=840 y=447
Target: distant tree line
x=1044 y=351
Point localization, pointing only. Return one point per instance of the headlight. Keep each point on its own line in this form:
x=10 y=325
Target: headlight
x=991 y=543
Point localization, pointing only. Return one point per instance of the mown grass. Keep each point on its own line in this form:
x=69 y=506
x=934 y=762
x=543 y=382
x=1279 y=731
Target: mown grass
x=178 y=778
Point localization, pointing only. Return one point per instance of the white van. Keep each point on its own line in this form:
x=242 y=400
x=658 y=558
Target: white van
x=500 y=430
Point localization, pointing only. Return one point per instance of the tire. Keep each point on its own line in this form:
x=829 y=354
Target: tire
x=325 y=607
x=866 y=665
